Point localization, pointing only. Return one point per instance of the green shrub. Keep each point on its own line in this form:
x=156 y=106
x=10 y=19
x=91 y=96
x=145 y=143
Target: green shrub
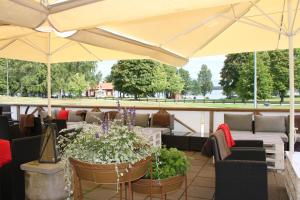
x=167 y=163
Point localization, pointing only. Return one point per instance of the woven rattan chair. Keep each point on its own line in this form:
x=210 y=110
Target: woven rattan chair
x=242 y=174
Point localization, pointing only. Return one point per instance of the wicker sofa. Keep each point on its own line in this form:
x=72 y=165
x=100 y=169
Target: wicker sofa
x=248 y=124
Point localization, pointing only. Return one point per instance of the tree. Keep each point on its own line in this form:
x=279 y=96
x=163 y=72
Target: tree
x=185 y=76
x=2 y=76
x=62 y=72
x=30 y=78
x=175 y=83
x=160 y=81
x=204 y=80
x=230 y=72
x=136 y=77
x=77 y=84
x=195 y=89
x=245 y=84
x=279 y=68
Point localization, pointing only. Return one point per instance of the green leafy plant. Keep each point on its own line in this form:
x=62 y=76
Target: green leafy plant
x=110 y=143
x=168 y=163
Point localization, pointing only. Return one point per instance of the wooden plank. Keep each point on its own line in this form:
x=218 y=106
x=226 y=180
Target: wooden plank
x=168 y=108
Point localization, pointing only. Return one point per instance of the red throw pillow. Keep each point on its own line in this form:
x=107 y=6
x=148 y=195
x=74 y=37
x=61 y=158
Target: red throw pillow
x=63 y=114
x=5 y=155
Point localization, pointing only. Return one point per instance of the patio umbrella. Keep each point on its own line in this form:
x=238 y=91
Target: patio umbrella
x=48 y=46
x=192 y=29
x=183 y=28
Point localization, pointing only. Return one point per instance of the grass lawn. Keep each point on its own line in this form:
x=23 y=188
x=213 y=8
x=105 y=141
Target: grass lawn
x=102 y=102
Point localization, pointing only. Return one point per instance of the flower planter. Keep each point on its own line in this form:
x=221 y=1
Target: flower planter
x=163 y=186
x=106 y=173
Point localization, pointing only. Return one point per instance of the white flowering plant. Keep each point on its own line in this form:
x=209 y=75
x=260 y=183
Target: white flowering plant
x=110 y=143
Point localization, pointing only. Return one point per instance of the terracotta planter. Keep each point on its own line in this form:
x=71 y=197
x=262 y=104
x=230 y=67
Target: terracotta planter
x=163 y=186
x=106 y=173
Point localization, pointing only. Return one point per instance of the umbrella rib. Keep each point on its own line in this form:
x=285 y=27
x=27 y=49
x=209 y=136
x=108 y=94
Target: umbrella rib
x=64 y=6
x=67 y=44
x=33 y=46
x=295 y=15
x=281 y=23
x=265 y=14
x=15 y=37
x=8 y=44
x=202 y=23
x=221 y=31
x=86 y=49
x=40 y=9
x=251 y=22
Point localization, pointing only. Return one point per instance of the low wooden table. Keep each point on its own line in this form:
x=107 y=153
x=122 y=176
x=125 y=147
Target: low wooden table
x=44 y=181
x=292 y=175
x=274 y=148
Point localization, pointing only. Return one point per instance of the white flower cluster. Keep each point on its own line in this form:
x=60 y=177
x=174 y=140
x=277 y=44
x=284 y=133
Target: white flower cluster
x=91 y=144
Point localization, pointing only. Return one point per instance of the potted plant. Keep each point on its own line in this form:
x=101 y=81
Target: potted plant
x=110 y=153
x=168 y=172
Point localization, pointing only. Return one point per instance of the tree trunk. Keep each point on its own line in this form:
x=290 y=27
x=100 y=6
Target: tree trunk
x=281 y=98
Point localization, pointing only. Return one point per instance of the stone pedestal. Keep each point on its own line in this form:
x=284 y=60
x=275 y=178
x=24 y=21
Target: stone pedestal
x=44 y=181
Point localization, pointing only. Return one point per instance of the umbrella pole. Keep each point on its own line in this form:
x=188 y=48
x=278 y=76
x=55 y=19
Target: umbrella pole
x=49 y=87
x=291 y=79
x=49 y=76
x=255 y=81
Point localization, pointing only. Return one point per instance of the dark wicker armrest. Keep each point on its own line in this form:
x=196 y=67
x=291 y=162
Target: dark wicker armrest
x=234 y=178
x=15 y=131
x=232 y=169
x=255 y=154
x=249 y=143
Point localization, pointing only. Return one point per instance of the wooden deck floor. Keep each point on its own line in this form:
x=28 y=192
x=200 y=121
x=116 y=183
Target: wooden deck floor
x=200 y=184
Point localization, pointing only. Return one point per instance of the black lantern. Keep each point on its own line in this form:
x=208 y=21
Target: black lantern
x=48 y=151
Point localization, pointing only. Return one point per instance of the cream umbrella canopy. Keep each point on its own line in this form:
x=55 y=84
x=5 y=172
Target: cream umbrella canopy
x=199 y=28
x=182 y=28
x=50 y=47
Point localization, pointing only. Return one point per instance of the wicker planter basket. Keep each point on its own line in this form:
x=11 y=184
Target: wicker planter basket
x=162 y=187
x=106 y=173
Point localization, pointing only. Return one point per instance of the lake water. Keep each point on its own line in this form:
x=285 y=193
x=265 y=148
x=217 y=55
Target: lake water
x=215 y=94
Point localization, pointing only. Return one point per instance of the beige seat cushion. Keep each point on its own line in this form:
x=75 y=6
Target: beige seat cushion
x=94 y=117
x=282 y=135
x=270 y=124
x=224 y=151
x=233 y=132
x=142 y=120
x=239 y=122
x=73 y=117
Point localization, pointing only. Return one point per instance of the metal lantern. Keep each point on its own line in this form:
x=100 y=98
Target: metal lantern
x=48 y=151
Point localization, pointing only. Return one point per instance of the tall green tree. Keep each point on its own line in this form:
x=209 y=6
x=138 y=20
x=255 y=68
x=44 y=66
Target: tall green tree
x=279 y=68
x=245 y=85
x=30 y=78
x=136 y=77
x=175 y=83
x=230 y=72
x=204 y=80
x=185 y=76
x=2 y=76
x=195 y=88
x=77 y=84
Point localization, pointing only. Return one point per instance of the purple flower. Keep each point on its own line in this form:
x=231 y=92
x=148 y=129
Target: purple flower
x=104 y=125
x=97 y=135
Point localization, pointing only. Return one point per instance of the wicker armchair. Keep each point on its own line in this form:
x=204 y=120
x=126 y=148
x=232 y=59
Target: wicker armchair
x=240 y=173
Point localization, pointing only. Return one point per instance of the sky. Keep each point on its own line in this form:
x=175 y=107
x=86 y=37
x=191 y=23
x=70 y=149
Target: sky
x=214 y=63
